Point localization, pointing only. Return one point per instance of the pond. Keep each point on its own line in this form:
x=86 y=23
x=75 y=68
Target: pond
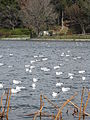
x=38 y=67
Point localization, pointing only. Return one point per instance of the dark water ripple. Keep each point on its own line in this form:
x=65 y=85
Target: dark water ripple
x=27 y=100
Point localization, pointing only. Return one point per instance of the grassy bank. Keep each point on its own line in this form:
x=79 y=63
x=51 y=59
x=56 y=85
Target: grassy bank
x=73 y=37
x=15 y=33
x=24 y=34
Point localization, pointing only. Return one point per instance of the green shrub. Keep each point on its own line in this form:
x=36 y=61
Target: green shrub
x=4 y=33
x=20 y=31
x=17 y=31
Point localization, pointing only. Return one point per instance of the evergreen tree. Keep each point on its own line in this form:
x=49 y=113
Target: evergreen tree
x=9 y=14
x=59 y=7
x=84 y=6
x=79 y=13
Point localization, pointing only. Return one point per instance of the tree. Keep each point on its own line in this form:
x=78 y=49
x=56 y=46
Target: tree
x=49 y=16
x=79 y=13
x=59 y=7
x=38 y=14
x=9 y=14
x=84 y=5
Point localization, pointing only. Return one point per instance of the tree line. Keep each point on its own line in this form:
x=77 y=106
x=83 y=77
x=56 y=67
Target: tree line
x=40 y=15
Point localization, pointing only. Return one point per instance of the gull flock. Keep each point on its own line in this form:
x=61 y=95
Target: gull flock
x=58 y=73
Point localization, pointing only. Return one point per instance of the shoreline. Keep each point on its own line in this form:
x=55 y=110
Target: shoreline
x=44 y=39
x=62 y=40
x=15 y=39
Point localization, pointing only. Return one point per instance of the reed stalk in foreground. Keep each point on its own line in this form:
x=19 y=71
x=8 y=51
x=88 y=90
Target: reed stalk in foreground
x=58 y=116
x=81 y=103
x=7 y=104
x=64 y=104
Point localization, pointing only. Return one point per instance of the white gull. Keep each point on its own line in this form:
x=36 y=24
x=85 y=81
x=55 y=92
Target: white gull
x=62 y=54
x=44 y=59
x=35 y=56
x=27 y=66
x=70 y=74
x=65 y=89
x=45 y=69
x=14 y=91
x=1 y=64
x=35 y=79
x=59 y=73
x=56 y=67
x=59 y=84
x=32 y=61
x=30 y=71
x=33 y=86
x=31 y=67
x=81 y=72
x=67 y=55
x=1 y=86
x=16 y=82
x=83 y=78
x=54 y=94
x=27 y=69
x=71 y=77
x=11 y=55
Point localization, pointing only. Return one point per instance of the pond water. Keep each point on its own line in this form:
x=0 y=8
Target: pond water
x=70 y=57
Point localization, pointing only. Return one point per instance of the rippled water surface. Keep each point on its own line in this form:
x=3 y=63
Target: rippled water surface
x=72 y=57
